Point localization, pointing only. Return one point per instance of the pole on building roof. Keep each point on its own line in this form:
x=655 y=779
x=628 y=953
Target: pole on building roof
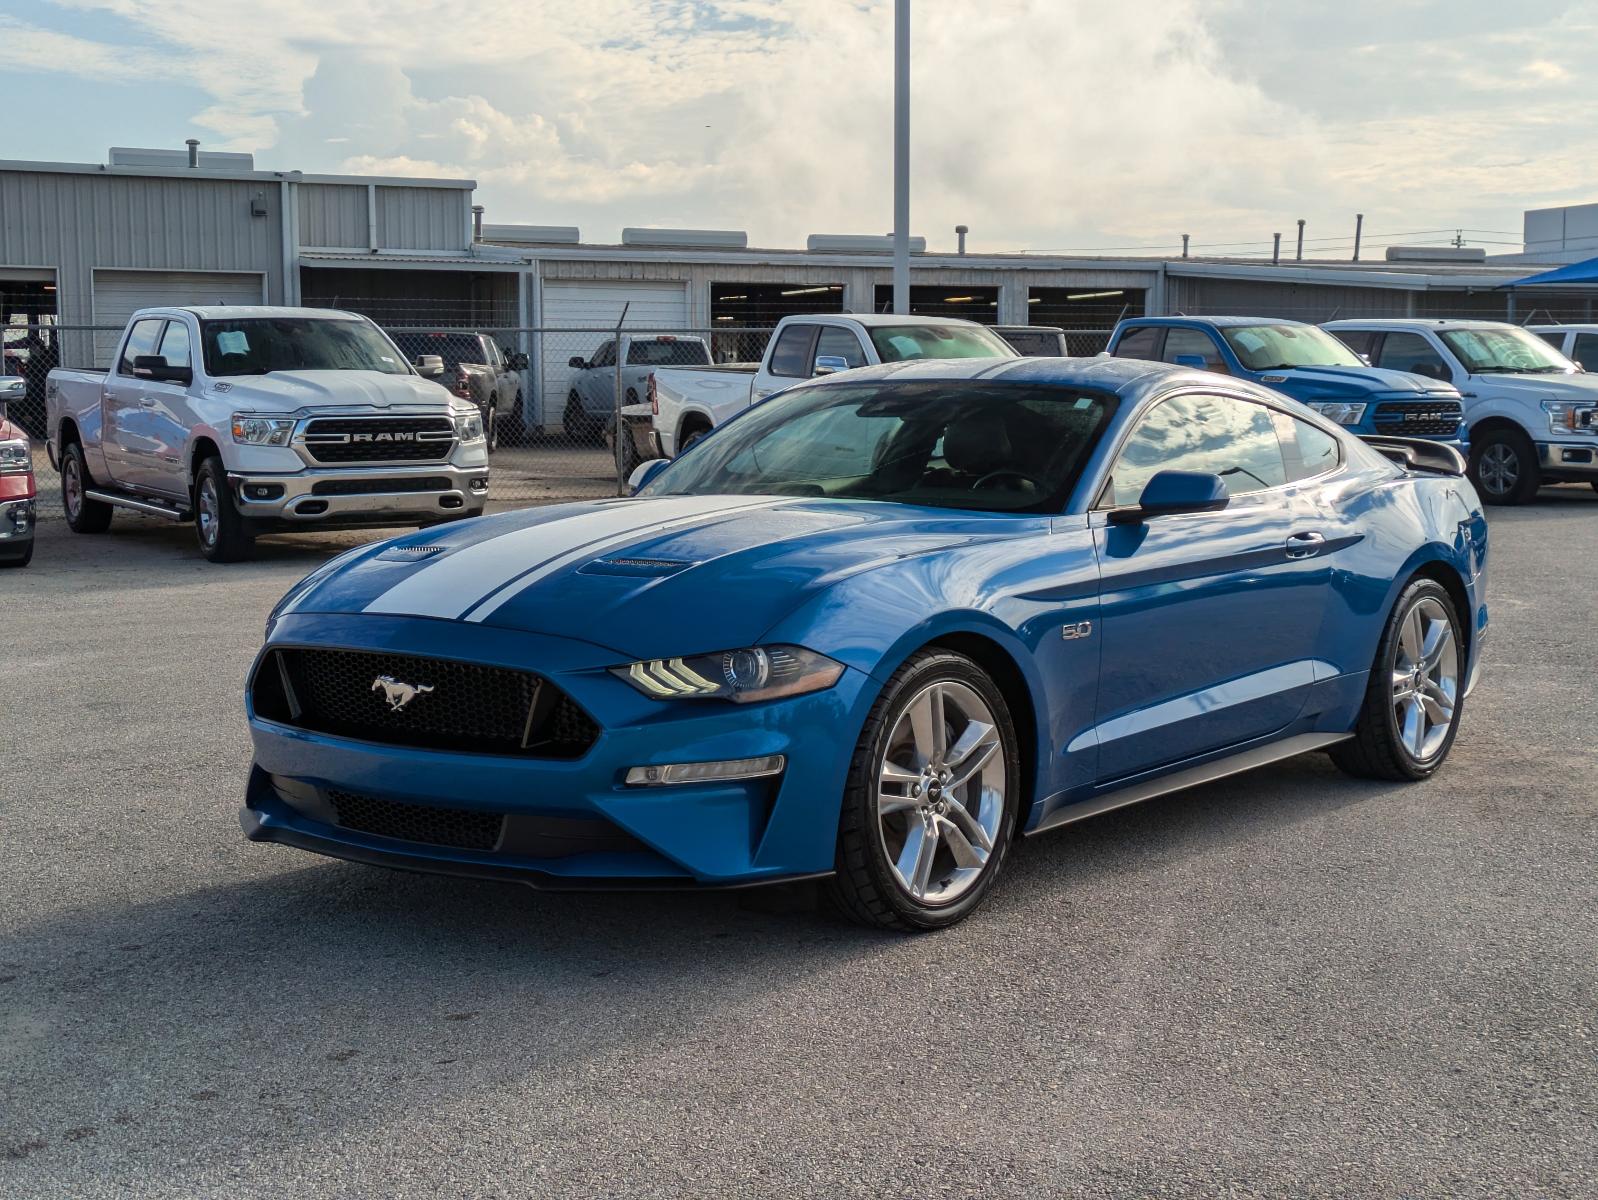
x=1359 y=228
x=901 y=156
x=1298 y=256
x=1184 y=245
x=1276 y=249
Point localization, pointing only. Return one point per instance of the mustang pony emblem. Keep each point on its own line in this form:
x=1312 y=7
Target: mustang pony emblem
x=399 y=694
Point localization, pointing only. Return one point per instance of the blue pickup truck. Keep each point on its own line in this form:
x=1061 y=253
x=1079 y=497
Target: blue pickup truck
x=1304 y=362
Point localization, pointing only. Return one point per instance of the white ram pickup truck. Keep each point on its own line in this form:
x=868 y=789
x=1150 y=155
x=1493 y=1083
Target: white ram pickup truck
x=688 y=402
x=253 y=420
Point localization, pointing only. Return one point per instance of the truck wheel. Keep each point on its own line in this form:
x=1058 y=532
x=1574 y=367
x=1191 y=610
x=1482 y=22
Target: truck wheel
x=221 y=532
x=491 y=428
x=83 y=514
x=1503 y=466
x=627 y=456
x=579 y=426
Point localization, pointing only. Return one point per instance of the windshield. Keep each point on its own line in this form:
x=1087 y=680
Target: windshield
x=667 y=352
x=1272 y=347
x=1505 y=350
x=453 y=348
x=1036 y=343
x=992 y=447
x=259 y=345
x=897 y=343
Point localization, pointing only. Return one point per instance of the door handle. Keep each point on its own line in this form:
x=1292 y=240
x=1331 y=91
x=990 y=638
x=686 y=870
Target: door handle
x=1305 y=545
x=146 y=401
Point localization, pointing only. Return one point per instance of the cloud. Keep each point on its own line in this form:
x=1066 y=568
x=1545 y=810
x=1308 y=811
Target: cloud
x=1040 y=123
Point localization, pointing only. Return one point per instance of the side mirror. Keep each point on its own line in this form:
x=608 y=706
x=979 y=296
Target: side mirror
x=430 y=366
x=516 y=360
x=644 y=472
x=1171 y=492
x=577 y=362
x=153 y=367
x=830 y=364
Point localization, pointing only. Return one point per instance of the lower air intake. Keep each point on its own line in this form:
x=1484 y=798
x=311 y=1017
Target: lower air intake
x=460 y=828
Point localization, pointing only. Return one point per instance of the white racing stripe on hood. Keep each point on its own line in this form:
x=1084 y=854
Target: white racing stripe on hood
x=457 y=583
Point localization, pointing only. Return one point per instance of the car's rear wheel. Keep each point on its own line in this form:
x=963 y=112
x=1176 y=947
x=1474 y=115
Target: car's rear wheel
x=1503 y=466
x=1416 y=692
x=84 y=515
x=931 y=801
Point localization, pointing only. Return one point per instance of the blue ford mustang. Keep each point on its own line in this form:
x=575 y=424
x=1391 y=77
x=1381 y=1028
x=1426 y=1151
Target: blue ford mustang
x=871 y=631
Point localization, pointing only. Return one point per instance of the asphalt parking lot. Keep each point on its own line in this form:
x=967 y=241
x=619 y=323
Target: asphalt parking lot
x=1288 y=983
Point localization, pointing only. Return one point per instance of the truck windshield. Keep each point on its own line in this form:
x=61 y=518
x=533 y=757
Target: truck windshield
x=260 y=345
x=986 y=446
x=1506 y=351
x=897 y=343
x=667 y=352
x=1276 y=347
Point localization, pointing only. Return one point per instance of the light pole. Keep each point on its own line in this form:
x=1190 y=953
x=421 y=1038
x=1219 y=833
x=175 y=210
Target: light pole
x=901 y=156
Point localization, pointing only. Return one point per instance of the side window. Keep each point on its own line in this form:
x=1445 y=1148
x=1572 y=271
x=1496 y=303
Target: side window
x=1307 y=451
x=1194 y=343
x=175 y=344
x=791 y=354
x=491 y=353
x=1413 y=353
x=840 y=343
x=142 y=339
x=1216 y=434
x=1554 y=337
x=1585 y=351
x=1359 y=341
x=1143 y=342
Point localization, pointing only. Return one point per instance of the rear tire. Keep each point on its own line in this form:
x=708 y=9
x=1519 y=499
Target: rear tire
x=83 y=514
x=1503 y=466
x=218 y=528
x=931 y=801
x=690 y=437
x=1416 y=694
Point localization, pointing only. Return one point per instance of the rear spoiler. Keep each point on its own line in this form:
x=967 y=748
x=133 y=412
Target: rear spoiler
x=1418 y=454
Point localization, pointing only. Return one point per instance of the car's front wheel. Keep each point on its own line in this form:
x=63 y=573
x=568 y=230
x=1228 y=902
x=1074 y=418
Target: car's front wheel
x=1503 y=466
x=932 y=796
x=1416 y=691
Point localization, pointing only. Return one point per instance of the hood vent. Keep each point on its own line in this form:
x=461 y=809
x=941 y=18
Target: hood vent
x=636 y=568
x=409 y=553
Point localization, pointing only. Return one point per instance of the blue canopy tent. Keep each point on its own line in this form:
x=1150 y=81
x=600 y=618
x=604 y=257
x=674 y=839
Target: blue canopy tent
x=1581 y=278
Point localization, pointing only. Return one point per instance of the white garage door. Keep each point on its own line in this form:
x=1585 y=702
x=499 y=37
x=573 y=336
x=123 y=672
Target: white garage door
x=120 y=294
x=576 y=312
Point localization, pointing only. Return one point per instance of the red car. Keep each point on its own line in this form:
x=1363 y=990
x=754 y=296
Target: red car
x=17 y=493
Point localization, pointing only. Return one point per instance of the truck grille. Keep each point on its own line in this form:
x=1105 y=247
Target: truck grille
x=379 y=439
x=1417 y=418
x=380 y=486
x=427 y=703
x=462 y=828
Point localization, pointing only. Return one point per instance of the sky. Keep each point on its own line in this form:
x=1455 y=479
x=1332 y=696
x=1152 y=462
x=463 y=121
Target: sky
x=1042 y=124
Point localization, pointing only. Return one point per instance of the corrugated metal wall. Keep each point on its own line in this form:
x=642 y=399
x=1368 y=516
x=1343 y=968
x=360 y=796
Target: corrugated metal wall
x=422 y=218
x=332 y=214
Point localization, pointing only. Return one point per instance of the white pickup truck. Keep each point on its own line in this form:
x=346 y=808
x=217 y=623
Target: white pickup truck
x=252 y=420
x=685 y=403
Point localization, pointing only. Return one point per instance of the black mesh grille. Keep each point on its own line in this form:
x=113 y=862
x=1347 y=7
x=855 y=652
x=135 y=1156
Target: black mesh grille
x=1417 y=418
x=463 y=828
x=430 y=703
x=369 y=487
x=379 y=439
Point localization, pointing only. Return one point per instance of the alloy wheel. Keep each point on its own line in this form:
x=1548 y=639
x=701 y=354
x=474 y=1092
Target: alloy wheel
x=1499 y=468
x=1425 y=679
x=941 y=793
x=71 y=486
x=206 y=511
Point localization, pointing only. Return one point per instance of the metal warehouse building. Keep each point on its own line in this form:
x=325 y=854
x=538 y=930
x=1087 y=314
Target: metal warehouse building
x=84 y=244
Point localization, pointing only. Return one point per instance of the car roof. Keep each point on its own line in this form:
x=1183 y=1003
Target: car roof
x=1219 y=322
x=1576 y=328
x=245 y=312
x=1414 y=323
x=870 y=319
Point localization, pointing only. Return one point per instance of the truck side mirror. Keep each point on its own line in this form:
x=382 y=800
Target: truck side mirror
x=516 y=360
x=577 y=362
x=830 y=364
x=429 y=366
x=153 y=367
x=644 y=472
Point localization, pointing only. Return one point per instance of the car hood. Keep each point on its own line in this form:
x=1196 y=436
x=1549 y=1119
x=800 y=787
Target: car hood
x=1321 y=382
x=644 y=577
x=1583 y=389
x=290 y=391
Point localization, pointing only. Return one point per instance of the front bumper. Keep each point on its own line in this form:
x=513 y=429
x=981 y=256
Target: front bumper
x=1579 y=459
x=16 y=526
x=568 y=823
x=426 y=492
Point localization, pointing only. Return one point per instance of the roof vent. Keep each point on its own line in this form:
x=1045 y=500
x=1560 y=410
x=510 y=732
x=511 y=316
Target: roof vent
x=861 y=243
x=720 y=239
x=166 y=160
x=532 y=235
x=1439 y=254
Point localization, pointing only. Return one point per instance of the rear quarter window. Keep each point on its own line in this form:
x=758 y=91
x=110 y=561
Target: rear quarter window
x=1140 y=343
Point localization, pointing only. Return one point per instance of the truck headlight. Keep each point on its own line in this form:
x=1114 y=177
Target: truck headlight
x=469 y=426
x=1343 y=412
x=1567 y=416
x=742 y=676
x=14 y=458
x=250 y=430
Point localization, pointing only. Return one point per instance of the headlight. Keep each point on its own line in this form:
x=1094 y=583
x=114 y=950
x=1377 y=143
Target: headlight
x=14 y=458
x=469 y=426
x=1567 y=416
x=250 y=430
x=742 y=676
x=1343 y=413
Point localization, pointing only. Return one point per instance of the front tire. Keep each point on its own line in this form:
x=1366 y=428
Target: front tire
x=220 y=530
x=579 y=426
x=83 y=514
x=930 y=806
x=1503 y=466
x=1416 y=693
